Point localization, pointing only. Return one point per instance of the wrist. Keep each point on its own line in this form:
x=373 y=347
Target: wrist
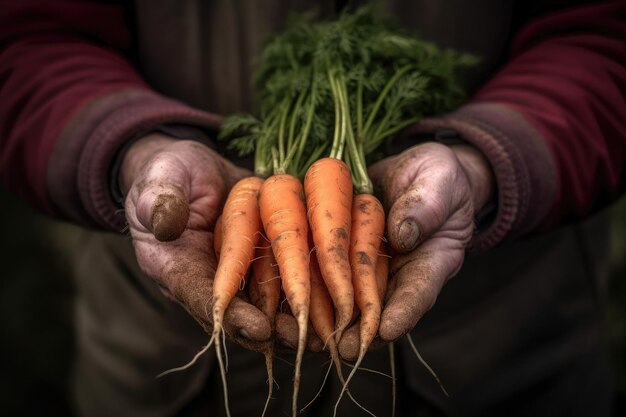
x=479 y=174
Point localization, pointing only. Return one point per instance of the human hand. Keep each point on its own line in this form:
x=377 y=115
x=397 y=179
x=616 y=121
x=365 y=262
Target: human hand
x=432 y=192
x=176 y=190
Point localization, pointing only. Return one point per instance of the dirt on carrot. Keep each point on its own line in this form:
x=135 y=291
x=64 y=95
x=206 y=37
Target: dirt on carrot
x=328 y=188
x=284 y=219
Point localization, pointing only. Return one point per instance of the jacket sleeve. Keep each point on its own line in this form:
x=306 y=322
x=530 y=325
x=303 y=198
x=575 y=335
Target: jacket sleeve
x=552 y=121
x=69 y=100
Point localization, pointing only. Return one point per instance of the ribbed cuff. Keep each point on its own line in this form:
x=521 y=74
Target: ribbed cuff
x=80 y=166
x=523 y=166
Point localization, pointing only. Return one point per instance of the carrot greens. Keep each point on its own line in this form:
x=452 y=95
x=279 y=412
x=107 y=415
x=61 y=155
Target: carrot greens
x=342 y=88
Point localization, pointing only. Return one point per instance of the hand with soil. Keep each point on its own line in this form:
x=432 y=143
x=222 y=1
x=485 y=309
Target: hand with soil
x=432 y=193
x=175 y=191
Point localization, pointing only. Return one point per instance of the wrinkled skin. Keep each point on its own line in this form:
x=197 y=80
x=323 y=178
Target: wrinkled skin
x=177 y=188
x=175 y=192
x=431 y=193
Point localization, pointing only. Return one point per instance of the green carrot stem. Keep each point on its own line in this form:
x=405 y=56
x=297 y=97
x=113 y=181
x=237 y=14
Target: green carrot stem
x=262 y=158
x=294 y=119
x=374 y=142
x=339 y=135
x=281 y=131
x=315 y=155
x=359 y=111
x=382 y=96
x=284 y=165
x=304 y=135
x=360 y=178
x=275 y=158
x=384 y=122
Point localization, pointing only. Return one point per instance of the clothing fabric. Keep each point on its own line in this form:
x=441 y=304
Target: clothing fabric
x=514 y=333
x=71 y=95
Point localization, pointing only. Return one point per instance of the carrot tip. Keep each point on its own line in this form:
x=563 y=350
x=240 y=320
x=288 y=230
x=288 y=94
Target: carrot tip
x=190 y=363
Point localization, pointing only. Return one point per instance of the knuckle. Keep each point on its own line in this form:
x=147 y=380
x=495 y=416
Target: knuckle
x=435 y=209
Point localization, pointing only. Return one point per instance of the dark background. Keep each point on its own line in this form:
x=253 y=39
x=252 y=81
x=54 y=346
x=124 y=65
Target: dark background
x=36 y=344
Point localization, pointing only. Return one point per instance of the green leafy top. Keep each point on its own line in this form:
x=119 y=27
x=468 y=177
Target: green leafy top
x=341 y=88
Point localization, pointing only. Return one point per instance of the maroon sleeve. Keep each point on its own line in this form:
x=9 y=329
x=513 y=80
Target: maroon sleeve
x=69 y=100
x=552 y=121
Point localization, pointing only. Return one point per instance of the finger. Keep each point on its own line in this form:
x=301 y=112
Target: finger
x=242 y=322
x=162 y=199
x=421 y=188
x=186 y=269
x=350 y=343
x=419 y=277
x=287 y=334
x=419 y=212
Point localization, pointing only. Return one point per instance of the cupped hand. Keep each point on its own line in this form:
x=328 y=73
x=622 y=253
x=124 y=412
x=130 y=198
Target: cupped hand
x=431 y=192
x=175 y=191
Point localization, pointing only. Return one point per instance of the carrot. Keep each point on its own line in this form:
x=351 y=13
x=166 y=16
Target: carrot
x=328 y=188
x=322 y=316
x=239 y=236
x=264 y=285
x=322 y=319
x=264 y=291
x=217 y=237
x=382 y=273
x=284 y=218
x=368 y=225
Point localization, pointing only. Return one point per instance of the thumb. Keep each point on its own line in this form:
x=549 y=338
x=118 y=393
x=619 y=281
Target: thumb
x=163 y=210
x=417 y=213
x=161 y=199
x=422 y=187
x=157 y=199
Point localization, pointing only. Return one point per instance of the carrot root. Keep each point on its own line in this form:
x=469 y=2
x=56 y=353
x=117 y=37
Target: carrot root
x=190 y=363
x=368 y=222
x=269 y=366
x=423 y=362
x=237 y=236
x=284 y=219
x=264 y=291
x=328 y=189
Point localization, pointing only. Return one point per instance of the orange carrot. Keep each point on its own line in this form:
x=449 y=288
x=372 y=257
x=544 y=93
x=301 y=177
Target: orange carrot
x=368 y=225
x=322 y=316
x=217 y=237
x=322 y=319
x=284 y=218
x=264 y=291
x=264 y=285
x=382 y=273
x=240 y=234
x=328 y=188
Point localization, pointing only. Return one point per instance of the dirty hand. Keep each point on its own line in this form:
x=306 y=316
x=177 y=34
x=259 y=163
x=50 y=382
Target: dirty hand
x=175 y=190
x=432 y=193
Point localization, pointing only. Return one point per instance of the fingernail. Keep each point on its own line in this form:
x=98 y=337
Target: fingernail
x=408 y=233
x=169 y=217
x=244 y=333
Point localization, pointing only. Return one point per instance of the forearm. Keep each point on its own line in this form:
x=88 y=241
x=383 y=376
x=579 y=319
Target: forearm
x=567 y=79
x=551 y=122
x=69 y=102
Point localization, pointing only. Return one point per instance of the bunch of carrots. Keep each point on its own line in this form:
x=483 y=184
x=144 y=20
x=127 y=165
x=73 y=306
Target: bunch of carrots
x=321 y=285
x=308 y=225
